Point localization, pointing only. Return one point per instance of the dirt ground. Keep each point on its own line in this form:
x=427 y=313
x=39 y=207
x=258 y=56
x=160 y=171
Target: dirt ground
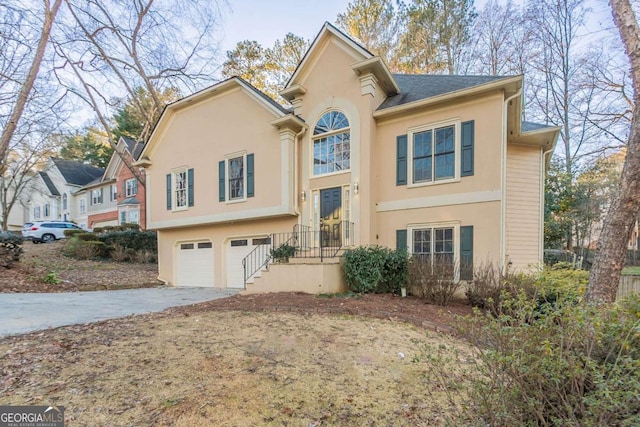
x=285 y=359
x=40 y=260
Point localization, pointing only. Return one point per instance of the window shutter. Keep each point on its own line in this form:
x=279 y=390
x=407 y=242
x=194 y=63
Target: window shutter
x=466 y=252
x=221 y=181
x=401 y=160
x=124 y=188
x=169 y=191
x=250 y=180
x=401 y=240
x=190 y=188
x=467 y=148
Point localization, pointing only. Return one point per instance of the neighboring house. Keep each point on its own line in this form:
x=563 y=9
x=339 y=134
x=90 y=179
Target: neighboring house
x=440 y=165
x=117 y=197
x=53 y=194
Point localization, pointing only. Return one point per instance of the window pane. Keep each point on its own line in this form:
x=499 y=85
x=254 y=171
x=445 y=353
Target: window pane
x=236 y=178
x=331 y=153
x=445 y=165
x=422 y=144
x=422 y=169
x=444 y=140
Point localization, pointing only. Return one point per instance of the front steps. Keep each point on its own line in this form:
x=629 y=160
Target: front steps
x=300 y=275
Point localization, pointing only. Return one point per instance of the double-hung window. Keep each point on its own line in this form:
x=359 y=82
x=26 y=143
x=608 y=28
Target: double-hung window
x=83 y=206
x=180 y=189
x=96 y=197
x=236 y=177
x=433 y=154
x=131 y=187
x=435 y=246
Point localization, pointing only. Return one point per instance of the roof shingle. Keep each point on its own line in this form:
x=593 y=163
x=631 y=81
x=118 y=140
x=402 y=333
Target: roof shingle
x=76 y=173
x=416 y=87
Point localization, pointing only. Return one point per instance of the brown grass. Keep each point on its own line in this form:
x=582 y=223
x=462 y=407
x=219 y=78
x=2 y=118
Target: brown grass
x=229 y=368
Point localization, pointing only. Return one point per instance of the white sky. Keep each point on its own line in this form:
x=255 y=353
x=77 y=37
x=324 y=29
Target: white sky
x=269 y=20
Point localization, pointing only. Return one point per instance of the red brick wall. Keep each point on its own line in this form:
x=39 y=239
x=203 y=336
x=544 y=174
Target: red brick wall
x=123 y=174
x=107 y=216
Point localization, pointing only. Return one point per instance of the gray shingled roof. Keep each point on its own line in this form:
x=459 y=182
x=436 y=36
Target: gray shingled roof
x=77 y=173
x=49 y=183
x=131 y=144
x=530 y=126
x=415 y=87
x=129 y=201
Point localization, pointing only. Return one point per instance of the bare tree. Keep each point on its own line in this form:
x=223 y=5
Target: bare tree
x=114 y=47
x=26 y=85
x=618 y=224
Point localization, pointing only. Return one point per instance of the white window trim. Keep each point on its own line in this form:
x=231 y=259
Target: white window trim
x=97 y=200
x=457 y=147
x=227 y=169
x=322 y=135
x=456 y=239
x=135 y=187
x=113 y=192
x=174 y=182
x=82 y=206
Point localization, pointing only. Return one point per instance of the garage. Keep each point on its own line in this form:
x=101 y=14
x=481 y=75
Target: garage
x=195 y=264
x=237 y=250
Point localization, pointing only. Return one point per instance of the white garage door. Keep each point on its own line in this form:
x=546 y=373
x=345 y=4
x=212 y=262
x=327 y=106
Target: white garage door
x=195 y=264
x=237 y=249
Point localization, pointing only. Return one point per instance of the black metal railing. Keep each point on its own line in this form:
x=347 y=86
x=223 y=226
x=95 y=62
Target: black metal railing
x=303 y=242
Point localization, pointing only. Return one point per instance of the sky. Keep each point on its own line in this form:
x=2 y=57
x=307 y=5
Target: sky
x=267 y=21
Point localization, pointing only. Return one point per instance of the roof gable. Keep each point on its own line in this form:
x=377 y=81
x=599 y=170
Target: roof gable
x=217 y=89
x=49 y=183
x=76 y=173
x=327 y=31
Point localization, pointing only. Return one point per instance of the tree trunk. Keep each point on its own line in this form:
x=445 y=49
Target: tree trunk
x=25 y=90
x=618 y=224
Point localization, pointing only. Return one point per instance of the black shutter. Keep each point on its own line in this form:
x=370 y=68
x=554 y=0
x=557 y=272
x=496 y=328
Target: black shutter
x=401 y=160
x=466 y=157
x=168 y=191
x=190 y=186
x=221 y=181
x=466 y=252
x=250 y=180
x=401 y=240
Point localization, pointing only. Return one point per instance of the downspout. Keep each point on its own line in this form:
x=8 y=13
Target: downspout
x=296 y=172
x=543 y=174
x=503 y=209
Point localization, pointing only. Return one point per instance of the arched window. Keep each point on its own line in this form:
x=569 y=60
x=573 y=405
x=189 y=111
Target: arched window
x=64 y=202
x=331 y=144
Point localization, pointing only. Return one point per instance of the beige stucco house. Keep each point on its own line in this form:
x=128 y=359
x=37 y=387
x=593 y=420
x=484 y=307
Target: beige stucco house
x=441 y=165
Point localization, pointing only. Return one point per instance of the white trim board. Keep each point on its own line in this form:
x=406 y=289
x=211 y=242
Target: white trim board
x=436 y=201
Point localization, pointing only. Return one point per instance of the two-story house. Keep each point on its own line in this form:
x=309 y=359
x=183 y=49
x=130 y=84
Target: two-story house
x=117 y=197
x=53 y=193
x=440 y=165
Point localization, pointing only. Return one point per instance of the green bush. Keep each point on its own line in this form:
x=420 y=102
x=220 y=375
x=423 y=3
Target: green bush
x=10 y=249
x=434 y=281
x=82 y=249
x=72 y=232
x=394 y=273
x=87 y=237
x=283 y=252
x=136 y=240
x=566 y=365
x=371 y=269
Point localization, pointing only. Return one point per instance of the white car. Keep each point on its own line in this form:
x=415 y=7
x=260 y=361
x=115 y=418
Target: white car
x=47 y=231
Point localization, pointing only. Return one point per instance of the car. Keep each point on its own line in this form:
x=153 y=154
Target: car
x=47 y=231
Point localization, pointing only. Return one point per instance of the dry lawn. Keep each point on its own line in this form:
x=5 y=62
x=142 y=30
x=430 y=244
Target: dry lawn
x=230 y=368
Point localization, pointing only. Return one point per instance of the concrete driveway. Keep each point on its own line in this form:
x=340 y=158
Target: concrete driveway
x=21 y=313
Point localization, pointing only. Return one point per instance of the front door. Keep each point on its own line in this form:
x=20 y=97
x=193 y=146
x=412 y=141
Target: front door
x=331 y=217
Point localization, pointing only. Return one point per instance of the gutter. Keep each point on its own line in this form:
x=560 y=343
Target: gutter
x=296 y=171
x=543 y=170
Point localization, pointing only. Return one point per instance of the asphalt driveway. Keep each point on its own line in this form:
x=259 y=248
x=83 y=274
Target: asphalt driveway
x=22 y=313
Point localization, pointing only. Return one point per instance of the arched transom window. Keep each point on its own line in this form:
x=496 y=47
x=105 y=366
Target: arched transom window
x=331 y=144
